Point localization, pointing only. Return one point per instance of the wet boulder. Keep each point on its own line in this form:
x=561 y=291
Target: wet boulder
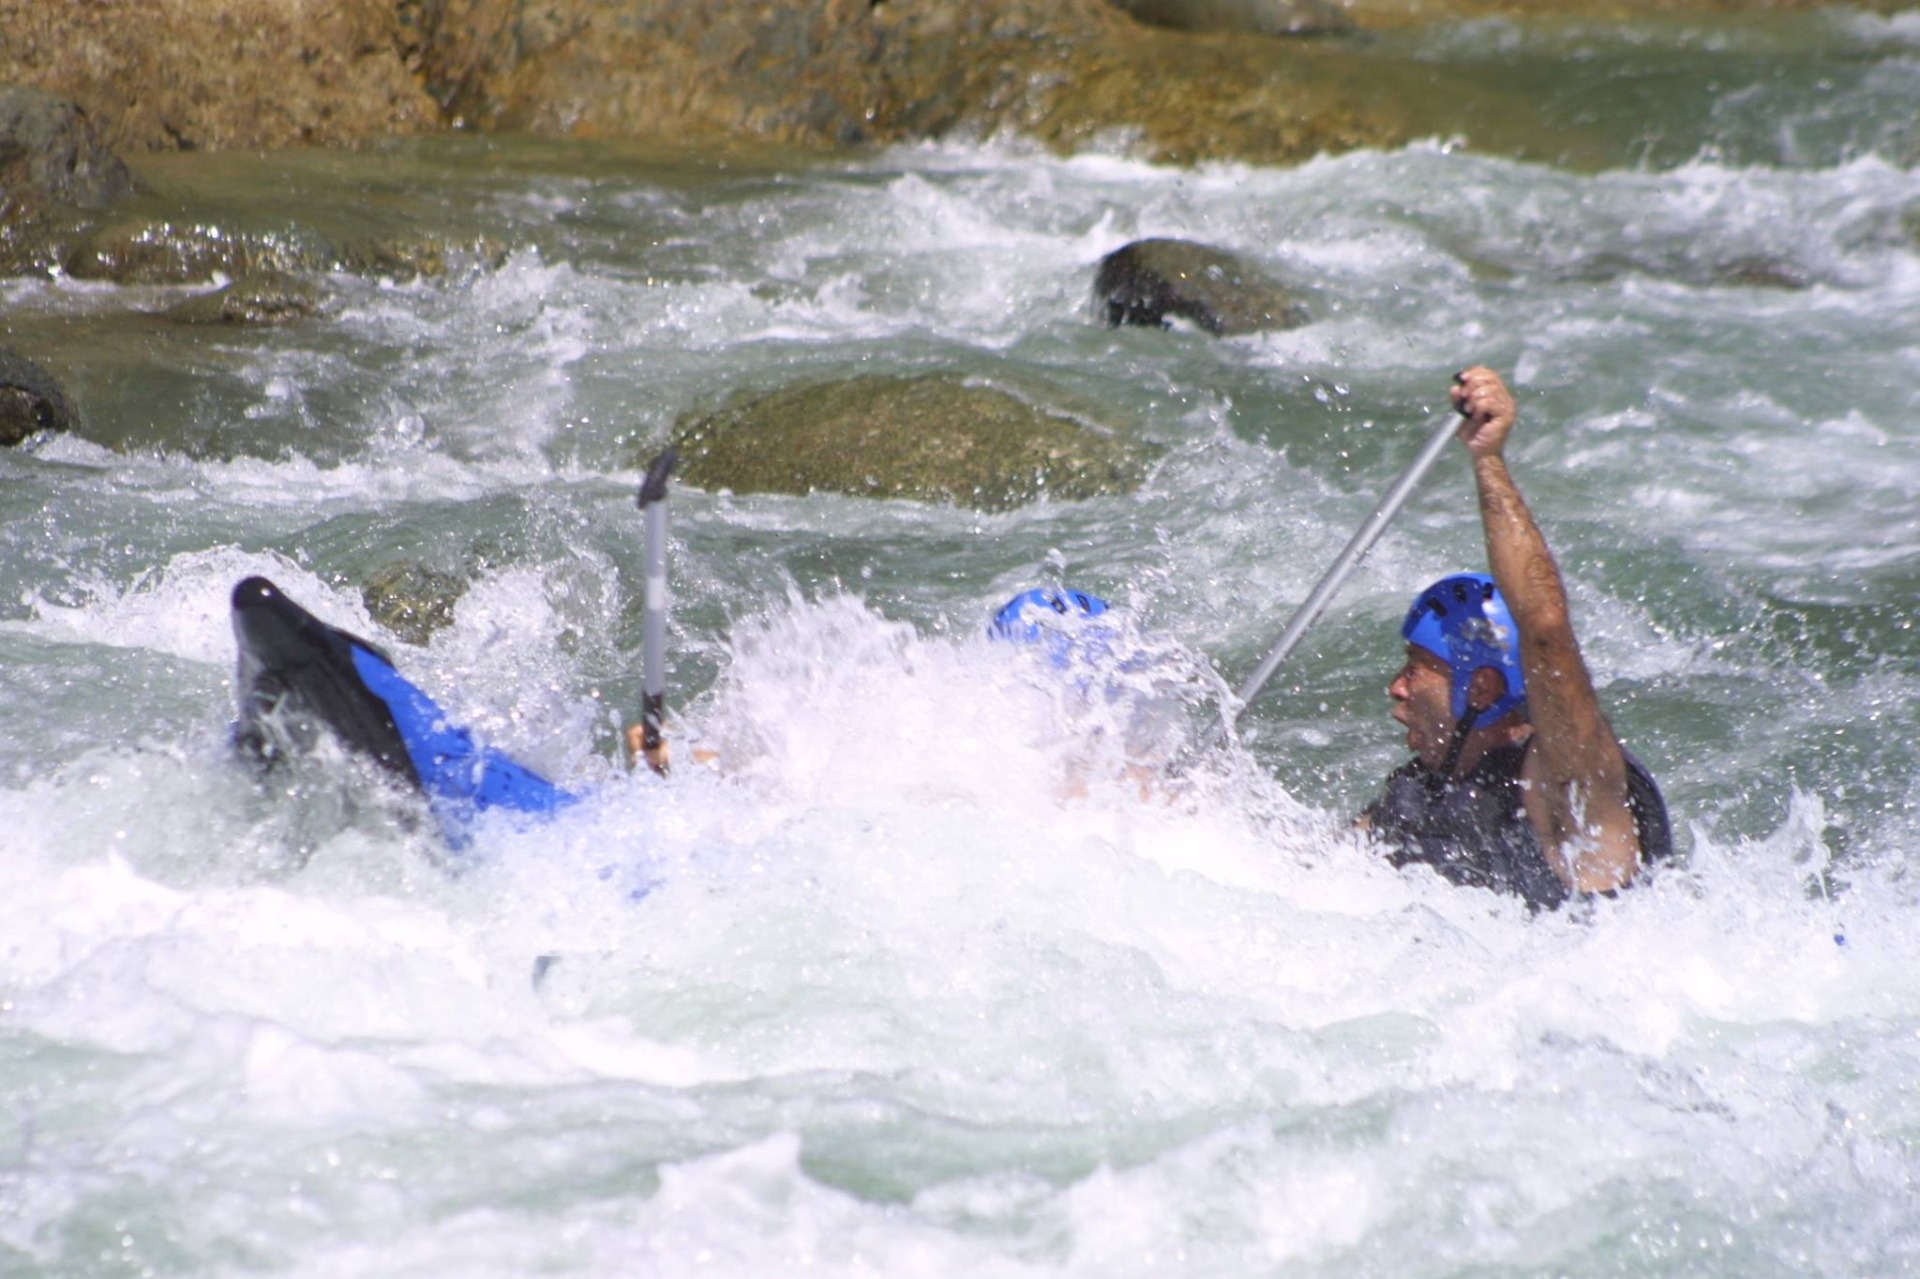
x=931 y=438
x=262 y=298
x=1246 y=17
x=1152 y=282
x=192 y=243
x=187 y=247
x=412 y=600
x=53 y=171
x=405 y=258
x=50 y=154
x=30 y=401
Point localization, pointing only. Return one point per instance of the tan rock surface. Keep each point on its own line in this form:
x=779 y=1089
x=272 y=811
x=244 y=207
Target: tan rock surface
x=275 y=73
x=933 y=438
x=161 y=74
x=1068 y=73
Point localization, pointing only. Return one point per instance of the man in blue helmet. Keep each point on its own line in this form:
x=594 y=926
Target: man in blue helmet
x=1051 y=617
x=1517 y=783
x=1119 y=685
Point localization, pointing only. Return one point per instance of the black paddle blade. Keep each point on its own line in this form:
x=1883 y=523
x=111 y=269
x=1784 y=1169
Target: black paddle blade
x=654 y=487
x=653 y=712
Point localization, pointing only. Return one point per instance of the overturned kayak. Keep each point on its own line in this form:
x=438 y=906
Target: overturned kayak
x=299 y=677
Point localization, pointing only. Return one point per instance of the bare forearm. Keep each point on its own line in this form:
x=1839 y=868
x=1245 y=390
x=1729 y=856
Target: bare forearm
x=1558 y=684
x=1579 y=807
x=1517 y=555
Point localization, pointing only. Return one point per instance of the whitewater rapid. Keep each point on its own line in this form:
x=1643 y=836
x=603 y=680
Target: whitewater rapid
x=919 y=979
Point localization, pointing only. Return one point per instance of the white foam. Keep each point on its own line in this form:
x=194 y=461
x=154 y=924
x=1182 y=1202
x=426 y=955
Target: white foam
x=917 y=980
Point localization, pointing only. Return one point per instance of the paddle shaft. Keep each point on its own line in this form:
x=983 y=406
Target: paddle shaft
x=654 y=669
x=1316 y=602
x=653 y=702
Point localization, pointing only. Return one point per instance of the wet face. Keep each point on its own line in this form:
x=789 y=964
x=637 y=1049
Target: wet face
x=1422 y=696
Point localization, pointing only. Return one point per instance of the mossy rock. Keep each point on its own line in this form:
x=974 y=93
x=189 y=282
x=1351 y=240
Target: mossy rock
x=404 y=259
x=190 y=244
x=1151 y=282
x=49 y=153
x=30 y=401
x=412 y=600
x=135 y=249
x=263 y=298
x=932 y=438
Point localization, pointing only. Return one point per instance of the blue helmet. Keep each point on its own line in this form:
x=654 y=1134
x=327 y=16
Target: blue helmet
x=1012 y=622
x=1053 y=619
x=1463 y=621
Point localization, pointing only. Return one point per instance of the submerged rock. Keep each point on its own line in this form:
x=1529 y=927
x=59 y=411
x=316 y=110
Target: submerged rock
x=153 y=243
x=413 y=600
x=30 y=400
x=1150 y=282
x=261 y=298
x=1688 y=266
x=1253 y=17
x=934 y=438
x=1756 y=271
x=403 y=258
x=140 y=248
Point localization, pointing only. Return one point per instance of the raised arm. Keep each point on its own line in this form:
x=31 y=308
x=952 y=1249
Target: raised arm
x=1577 y=793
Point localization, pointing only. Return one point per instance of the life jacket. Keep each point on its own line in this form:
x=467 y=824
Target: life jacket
x=1474 y=829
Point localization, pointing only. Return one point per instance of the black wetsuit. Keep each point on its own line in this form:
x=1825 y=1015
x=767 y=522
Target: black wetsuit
x=1475 y=831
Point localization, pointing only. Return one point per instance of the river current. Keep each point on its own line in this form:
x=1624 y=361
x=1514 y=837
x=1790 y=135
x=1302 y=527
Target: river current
x=919 y=982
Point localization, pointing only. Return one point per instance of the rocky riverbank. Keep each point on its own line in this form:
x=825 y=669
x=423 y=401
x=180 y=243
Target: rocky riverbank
x=86 y=86
x=1268 y=81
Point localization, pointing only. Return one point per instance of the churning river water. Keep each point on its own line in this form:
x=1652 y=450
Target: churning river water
x=919 y=983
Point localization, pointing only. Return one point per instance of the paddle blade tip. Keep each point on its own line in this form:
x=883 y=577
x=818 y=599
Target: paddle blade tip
x=654 y=487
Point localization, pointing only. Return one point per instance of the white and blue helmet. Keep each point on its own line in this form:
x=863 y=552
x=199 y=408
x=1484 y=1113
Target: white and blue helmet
x=1054 y=619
